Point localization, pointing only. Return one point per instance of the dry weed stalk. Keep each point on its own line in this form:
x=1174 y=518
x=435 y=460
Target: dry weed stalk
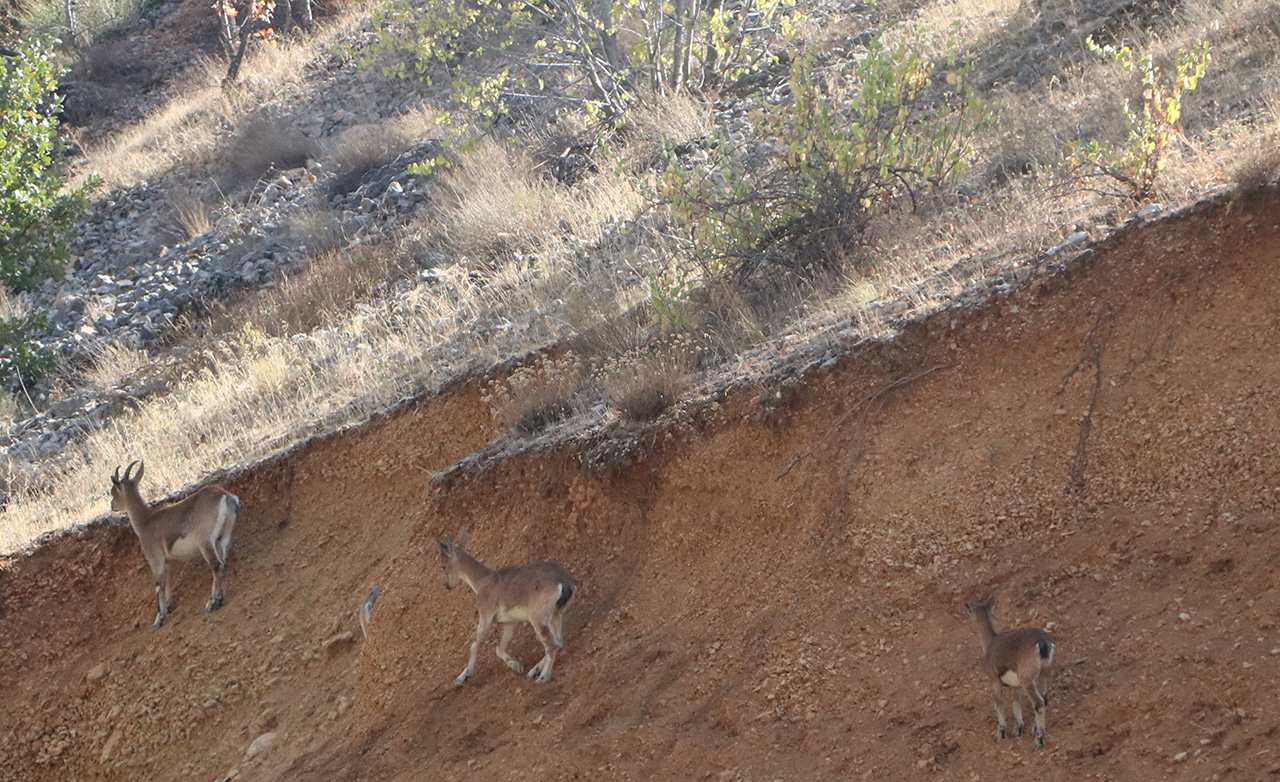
x=536 y=395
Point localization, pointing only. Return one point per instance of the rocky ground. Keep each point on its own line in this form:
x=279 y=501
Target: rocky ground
x=770 y=589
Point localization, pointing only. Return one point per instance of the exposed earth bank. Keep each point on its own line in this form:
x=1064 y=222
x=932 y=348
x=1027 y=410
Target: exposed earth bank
x=772 y=590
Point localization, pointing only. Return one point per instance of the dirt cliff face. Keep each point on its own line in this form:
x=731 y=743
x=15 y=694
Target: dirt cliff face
x=770 y=591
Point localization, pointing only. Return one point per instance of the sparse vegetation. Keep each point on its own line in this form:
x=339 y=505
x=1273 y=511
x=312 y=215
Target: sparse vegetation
x=320 y=295
x=1134 y=163
x=536 y=395
x=835 y=159
x=262 y=144
x=643 y=382
x=591 y=55
x=849 y=178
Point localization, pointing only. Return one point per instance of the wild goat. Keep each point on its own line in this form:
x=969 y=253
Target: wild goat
x=1015 y=658
x=536 y=593
x=199 y=525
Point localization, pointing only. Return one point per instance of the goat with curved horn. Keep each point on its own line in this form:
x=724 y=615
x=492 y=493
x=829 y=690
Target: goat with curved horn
x=537 y=593
x=197 y=526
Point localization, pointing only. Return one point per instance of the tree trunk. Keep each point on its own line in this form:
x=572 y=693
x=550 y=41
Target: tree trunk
x=247 y=27
x=305 y=20
x=71 y=24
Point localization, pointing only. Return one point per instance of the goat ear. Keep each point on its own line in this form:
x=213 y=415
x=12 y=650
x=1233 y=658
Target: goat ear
x=115 y=479
x=446 y=545
x=463 y=537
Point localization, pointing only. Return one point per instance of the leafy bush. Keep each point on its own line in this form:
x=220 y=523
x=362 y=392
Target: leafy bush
x=804 y=201
x=36 y=216
x=36 y=219
x=596 y=54
x=1134 y=163
x=18 y=355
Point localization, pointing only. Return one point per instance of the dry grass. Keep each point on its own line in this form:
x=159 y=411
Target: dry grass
x=186 y=128
x=364 y=148
x=112 y=363
x=319 y=229
x=494 y=208
x=190 y=212
x=642 y=383
x=536 y=395
x=261 y=144
x=320 y=295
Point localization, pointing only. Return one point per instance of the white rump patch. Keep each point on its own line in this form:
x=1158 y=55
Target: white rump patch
x=514 y=614
x=1010 y=678
x=185 y=548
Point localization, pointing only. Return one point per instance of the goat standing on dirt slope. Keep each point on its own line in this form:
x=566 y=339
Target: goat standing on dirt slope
x=199 y=525
x=1015 y=658
x=537 y=593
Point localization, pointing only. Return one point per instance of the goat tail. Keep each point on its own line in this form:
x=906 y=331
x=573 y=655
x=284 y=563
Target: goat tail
x=1047 y=649
x=567 y=592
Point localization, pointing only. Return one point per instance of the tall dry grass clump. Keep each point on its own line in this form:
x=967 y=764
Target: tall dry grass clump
x=536 y=395
x=320 y=295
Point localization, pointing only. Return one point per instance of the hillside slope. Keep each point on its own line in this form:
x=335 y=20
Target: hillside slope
x=1098 y=450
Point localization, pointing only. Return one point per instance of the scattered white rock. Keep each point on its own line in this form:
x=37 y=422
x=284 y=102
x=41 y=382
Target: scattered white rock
x=260 y=745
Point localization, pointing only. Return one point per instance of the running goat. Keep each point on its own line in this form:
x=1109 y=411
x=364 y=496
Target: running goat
x=1015 y=658
x=537 y=593
x=198 y=526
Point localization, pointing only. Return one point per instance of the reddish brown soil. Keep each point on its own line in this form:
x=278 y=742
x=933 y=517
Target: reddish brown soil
x=733 y=624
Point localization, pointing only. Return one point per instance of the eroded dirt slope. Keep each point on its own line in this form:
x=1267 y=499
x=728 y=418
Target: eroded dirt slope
x=1099 y=451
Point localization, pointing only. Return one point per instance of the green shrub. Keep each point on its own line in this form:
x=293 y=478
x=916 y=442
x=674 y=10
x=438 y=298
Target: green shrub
x=905 y=133
x=36 y=218
x=1134 y=163
x=589 y=54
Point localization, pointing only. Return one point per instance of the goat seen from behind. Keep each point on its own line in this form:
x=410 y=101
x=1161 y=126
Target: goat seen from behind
x=1020 y=659
x=197 y=526
x=537 y=593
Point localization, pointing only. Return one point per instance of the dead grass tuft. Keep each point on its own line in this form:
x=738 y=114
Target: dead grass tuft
x=320 y=295
x=190 y=212
x=642 y=383
x=319 y=229
x=364 y=148
x=112 y=363
x=536 y=395
x=260 y=145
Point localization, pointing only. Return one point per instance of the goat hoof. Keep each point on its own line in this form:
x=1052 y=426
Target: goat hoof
x=1018 y=731
x=1039 y=742
x=462 y=678
x=214 y=604
x=534 y=671
x=1002 y=733
x=542 y=679
x=516 y=666
x=156 y=625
